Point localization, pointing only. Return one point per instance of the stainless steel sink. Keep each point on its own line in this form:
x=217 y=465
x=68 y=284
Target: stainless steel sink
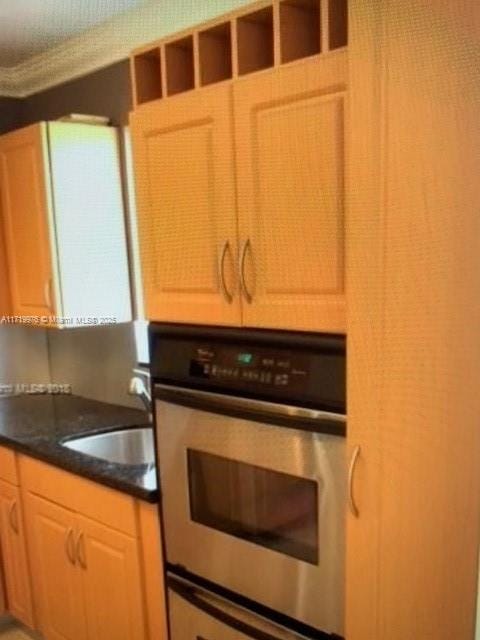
x=127 y=446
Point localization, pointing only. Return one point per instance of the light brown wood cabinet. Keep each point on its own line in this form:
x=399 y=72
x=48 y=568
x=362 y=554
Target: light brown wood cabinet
x=89 y=578
x=240 y=191
x=14 y=554
x=80 y=561
x=58 y=581
x=5 y=299
x=63 y=225
x=25 y=217
x=185 y=184
x=413 y=319
x=96 y=559
x=289 y=136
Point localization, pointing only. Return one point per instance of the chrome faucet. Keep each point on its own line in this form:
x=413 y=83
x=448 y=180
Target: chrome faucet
x=137 y=387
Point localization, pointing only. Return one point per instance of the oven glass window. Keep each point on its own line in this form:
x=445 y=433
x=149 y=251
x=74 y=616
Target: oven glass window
x=275 y=510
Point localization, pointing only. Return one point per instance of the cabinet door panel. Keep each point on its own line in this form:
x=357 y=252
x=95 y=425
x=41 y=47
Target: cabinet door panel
x=290 y=159
x=59 y=580
x=111 y=583
x=5 y=301
x=183 y=150
x=16 y=570
x=24 y=204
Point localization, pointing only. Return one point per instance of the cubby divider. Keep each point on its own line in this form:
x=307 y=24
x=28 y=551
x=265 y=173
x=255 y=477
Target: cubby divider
x=215 y=53
x=147 y=76
x=300 y=34
x=179 y=65
x=255 y=47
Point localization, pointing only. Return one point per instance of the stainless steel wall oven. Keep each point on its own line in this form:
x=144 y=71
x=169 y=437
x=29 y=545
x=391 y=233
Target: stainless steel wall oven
x=250 y=437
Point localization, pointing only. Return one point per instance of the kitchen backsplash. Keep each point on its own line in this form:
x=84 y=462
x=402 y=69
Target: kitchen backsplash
x=96 y=361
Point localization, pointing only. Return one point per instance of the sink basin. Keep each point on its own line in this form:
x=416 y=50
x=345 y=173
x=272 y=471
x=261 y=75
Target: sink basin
x=127 y=446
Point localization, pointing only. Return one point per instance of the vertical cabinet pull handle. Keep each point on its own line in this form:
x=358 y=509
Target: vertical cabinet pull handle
x=69 y=546
x=241 y=269
x=48 y=293
x=351 y=474
x=221 y=272
x=80 y=550
x=13 y=516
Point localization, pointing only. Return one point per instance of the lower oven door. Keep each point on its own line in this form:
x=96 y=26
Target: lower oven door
x=256 y=508
x=197 y=614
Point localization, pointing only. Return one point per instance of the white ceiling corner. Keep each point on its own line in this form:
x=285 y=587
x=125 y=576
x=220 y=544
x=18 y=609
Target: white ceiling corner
x=108 y=42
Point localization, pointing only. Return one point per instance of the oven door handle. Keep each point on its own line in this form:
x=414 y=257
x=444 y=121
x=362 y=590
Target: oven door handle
x=193 y=595
x=318 y=420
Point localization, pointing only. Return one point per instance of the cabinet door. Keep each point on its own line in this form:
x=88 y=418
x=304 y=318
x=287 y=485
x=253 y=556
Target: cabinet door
x=183 y=152
x=59 y=587
x=5 y=304
x=290 y=161
x=16 y=570
x=24 y=204
x=111 y=583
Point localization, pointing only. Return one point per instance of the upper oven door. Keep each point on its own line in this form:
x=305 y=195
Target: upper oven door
x=256 y=508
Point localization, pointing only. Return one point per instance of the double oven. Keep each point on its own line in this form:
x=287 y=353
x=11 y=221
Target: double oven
x=250 y=431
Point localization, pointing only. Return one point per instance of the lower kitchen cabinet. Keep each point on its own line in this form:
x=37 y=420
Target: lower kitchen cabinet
x=111 y=581
x=57 y=579
x=15 y=564
x=95 y=557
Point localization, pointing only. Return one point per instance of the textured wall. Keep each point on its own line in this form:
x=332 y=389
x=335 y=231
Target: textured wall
x=105 y=92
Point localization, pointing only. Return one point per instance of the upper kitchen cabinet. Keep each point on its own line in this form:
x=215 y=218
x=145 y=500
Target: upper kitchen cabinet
x=258 y=239
x=4 y=283
x=63 y=220
x=290 y=176
x=185 y=183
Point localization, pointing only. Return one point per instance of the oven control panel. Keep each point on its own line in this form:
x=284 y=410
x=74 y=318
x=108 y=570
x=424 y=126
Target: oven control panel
x=303 y=370
x=249 y=367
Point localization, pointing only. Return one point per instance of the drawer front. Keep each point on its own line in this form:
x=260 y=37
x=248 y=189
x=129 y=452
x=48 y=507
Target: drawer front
x=8 y=466
x=93 y=500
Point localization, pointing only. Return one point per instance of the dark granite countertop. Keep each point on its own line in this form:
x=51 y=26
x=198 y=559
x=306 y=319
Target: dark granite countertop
x=36 y=425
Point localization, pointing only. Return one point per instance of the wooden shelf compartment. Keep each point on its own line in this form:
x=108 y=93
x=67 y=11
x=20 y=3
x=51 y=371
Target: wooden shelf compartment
x=300 y=29
x=255 y=49
x=337 y=23
x=215 y=53
x=179 y=64
x=147 y=76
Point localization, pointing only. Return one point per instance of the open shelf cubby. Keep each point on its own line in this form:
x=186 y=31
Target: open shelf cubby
x=215 y=53
x=179 y=65
x=338 y=23
x=300 y=35
x=148 y=76
x=255 y=41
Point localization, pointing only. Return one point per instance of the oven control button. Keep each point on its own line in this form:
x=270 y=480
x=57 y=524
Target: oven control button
x=268 y=362
x=283 y=364
x=281 y=379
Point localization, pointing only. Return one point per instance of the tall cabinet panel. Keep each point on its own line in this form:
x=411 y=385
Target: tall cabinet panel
x=290 y=126
x=413 y=319
x=186 y=207
x=25 y=211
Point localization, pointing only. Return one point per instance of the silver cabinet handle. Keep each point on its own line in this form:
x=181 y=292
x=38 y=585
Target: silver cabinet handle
x=70 y=546
x=241 y=270
x=13 y=516
x=48 y=293
x=351 y=473
x=221 y=272
x=80 y=550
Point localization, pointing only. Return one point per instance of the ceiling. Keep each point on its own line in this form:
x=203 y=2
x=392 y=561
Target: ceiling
x=28 y=27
